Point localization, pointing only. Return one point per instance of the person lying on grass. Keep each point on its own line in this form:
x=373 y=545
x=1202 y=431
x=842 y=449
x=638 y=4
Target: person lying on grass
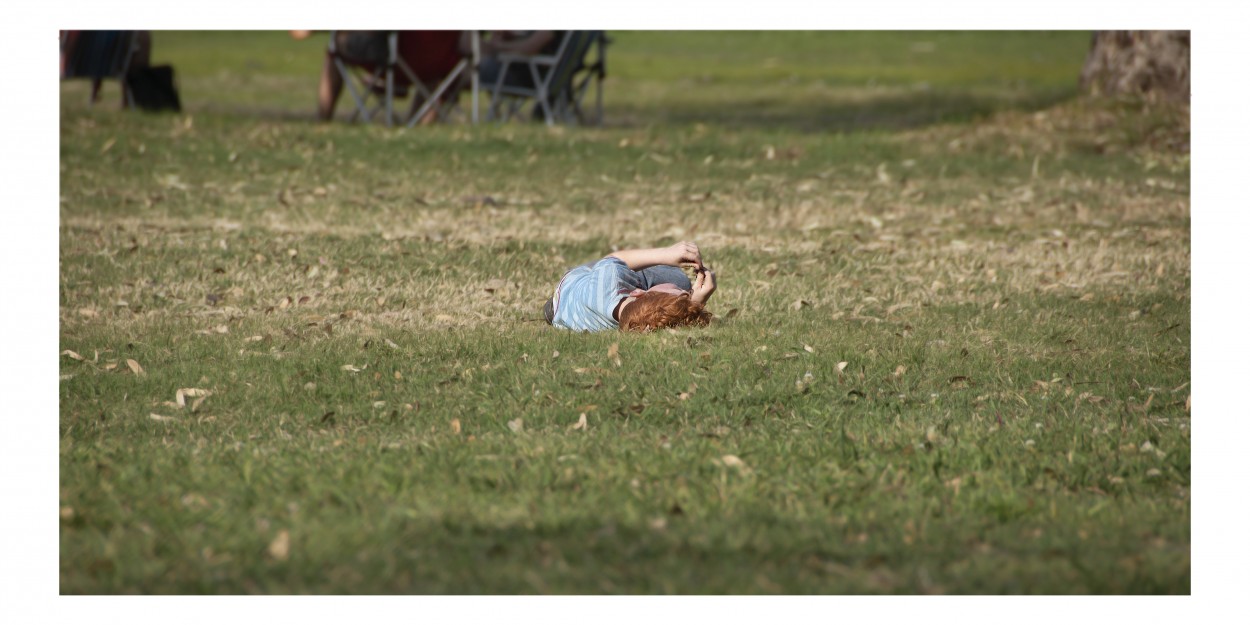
x=638 y=290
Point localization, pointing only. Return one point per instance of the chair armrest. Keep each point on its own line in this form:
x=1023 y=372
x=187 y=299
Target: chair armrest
x=539 y=59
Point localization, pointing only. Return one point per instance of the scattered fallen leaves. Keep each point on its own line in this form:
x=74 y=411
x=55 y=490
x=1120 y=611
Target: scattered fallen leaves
x=134 y=366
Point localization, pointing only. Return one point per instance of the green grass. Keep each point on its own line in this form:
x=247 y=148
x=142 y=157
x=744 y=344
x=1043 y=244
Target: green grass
x=1002 y=267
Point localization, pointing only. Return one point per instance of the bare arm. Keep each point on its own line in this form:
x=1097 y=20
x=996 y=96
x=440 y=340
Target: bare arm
x=529 y=45
x=676 y=255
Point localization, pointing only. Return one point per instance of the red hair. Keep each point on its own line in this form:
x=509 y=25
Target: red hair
x=655 y=310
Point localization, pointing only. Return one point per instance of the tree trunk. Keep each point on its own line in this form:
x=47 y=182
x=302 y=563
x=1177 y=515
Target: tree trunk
x=1142 y=62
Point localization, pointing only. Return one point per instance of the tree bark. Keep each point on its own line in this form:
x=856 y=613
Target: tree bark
x=1151 y=63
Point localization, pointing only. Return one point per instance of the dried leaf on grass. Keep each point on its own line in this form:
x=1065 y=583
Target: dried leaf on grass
x=455 y=426
x=614 y=354
x=181 y=395
x=517 y=425
x=731 y=461
x=134 y=366
x=72 y=354
x=280 y=548
x=581 y=423
x=156 y=417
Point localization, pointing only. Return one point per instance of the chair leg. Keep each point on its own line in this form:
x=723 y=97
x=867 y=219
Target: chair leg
x=350 y=81
x=432 y=100
x=541 y=87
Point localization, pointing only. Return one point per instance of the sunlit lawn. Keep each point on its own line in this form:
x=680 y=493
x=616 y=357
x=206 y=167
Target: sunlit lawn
x=951 y=352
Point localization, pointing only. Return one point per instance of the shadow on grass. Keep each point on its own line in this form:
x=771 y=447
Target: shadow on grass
x=892 y=111
x=848 y=112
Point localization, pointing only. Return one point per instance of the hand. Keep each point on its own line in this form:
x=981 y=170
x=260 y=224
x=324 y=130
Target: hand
x=684 y=253
x=704 y=285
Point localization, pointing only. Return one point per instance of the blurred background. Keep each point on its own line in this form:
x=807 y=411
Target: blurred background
x=802 y=80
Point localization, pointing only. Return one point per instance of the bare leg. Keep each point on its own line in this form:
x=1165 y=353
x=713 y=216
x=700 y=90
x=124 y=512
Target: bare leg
x=328 y=91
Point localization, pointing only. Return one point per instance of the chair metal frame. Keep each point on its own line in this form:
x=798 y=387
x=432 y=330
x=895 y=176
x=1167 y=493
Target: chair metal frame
x=361 y=84
x=559 y=72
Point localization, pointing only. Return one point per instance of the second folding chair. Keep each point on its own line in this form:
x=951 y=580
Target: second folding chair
x=560 y=81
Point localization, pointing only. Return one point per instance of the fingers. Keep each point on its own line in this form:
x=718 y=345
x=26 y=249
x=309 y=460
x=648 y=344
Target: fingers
x=687 y=252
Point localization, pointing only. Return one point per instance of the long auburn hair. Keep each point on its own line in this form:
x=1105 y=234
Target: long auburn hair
x=654 y=310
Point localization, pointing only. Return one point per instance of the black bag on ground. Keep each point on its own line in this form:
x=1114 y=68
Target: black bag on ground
x=153 y=88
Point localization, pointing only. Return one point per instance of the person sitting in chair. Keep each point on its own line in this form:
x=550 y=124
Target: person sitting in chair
x=431 y=54
x=519 y=42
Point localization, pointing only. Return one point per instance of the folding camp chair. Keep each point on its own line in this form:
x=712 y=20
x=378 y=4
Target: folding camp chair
x=378 y=77
x=99 y=54
x=560 y=80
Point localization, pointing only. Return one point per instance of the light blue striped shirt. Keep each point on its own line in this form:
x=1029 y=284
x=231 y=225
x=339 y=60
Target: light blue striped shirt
x=586 y=296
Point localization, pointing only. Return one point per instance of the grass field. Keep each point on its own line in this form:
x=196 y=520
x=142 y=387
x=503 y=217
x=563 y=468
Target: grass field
x=951 y=352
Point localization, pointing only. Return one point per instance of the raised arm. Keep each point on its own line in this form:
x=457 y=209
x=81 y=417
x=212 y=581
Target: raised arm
x=676 y=255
